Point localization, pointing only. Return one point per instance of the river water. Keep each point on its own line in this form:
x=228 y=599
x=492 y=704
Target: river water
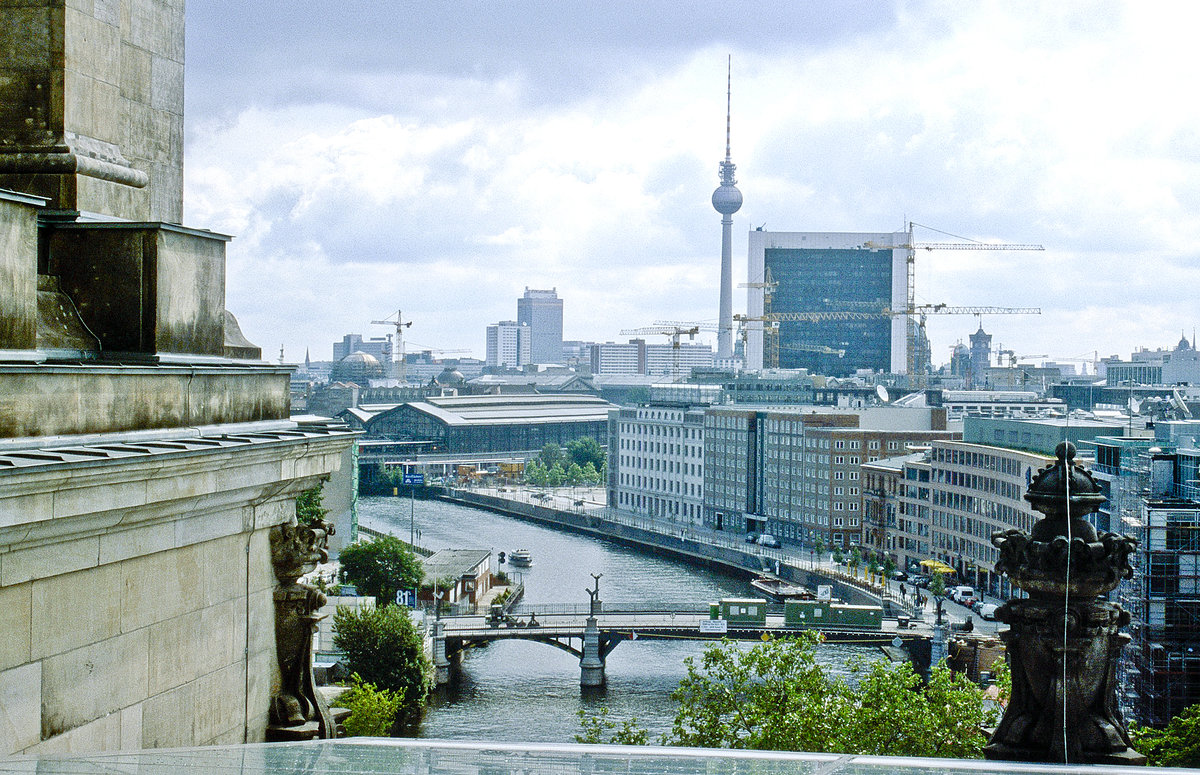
x=527 y=691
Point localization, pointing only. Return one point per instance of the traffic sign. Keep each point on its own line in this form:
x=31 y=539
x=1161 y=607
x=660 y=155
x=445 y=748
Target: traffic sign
x=414 y=478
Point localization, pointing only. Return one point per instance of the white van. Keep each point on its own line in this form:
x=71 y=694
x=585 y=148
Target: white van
x=766 y=539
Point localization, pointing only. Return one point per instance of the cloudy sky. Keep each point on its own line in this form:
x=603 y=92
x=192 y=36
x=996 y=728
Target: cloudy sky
x=439 y=157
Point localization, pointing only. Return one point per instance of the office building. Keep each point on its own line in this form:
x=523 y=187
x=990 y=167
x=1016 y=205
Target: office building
x=638 y=357
x=508 y=345
x=379 y=348
x=842 y=282
x=542 y=312
x=656 y=455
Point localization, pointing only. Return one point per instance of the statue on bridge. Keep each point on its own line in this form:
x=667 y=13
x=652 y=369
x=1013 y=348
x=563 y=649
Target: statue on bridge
x=594 y=594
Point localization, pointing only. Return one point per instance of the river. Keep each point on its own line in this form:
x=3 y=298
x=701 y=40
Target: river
x=526 y=691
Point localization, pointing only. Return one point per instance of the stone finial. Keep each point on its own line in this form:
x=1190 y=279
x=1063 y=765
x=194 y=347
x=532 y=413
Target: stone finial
x=1063 y=641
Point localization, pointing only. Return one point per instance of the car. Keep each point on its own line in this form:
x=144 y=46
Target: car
x=899 y=575
x=988 y=611
x=975 y=605
x=751 y=538
x=961 y=594
x=768 y=540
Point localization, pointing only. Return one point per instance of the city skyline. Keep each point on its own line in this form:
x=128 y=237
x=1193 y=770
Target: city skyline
x=362 y=171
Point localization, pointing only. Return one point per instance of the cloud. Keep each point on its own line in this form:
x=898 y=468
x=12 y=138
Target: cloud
x=439 y=162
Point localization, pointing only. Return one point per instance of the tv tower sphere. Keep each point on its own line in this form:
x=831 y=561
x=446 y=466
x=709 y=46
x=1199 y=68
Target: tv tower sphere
x=727 y=200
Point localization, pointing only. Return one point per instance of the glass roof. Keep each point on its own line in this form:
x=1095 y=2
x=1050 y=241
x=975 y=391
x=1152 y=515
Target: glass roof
x=368 y=756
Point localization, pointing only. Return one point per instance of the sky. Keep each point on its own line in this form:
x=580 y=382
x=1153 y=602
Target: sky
x=437 y=158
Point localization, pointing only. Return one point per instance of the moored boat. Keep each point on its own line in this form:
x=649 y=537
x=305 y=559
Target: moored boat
x=780 y=590
x=521 y=558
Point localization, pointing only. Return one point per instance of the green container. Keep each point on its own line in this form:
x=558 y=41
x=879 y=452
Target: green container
x=750 y=610
x=866 y=617
x=805 y=613
x=714 y=610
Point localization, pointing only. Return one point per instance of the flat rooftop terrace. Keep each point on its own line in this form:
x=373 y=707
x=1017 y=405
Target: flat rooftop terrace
x=371 y=756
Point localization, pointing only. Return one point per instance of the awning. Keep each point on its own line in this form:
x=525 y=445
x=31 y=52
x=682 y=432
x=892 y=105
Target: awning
x=937 y=566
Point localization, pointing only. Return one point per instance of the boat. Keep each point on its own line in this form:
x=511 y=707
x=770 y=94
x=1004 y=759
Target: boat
x=780 y=590
x=520 y=558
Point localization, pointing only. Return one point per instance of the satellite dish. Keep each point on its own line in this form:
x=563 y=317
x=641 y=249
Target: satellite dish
x=1135 y=406
x=881 y=391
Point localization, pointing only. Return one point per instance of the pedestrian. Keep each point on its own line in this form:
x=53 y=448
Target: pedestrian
x=903 y=591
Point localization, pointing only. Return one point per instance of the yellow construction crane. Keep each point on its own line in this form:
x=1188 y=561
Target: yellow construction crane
x=673 y=332
x=398 y=344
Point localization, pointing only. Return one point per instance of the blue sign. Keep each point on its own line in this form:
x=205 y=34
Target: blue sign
x=414 y=478
x=406 y=597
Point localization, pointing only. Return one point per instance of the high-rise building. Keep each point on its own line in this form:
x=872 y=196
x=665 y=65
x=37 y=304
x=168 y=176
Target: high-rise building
x=542 y=311
x=842 y=282
x=379 y=348
x=508 y=345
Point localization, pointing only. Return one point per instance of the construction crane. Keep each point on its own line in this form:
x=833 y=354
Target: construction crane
x=398 y=344
x=912 y=246
x=673 y=332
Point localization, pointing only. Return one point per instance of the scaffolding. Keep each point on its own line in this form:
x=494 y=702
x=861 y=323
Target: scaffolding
x=1160 y=669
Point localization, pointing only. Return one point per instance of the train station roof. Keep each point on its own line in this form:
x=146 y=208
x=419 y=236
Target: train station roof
x=522 y=409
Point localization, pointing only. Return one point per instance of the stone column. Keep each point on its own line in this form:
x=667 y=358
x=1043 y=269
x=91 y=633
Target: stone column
x=591 y=667
x=441 y=663
x=1063 y=641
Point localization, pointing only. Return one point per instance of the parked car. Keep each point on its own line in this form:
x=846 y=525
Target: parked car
x=899 y=575
x=768 y=540
x=988 y=611
x=920 y=581
x=961 y=594
x=751 y=538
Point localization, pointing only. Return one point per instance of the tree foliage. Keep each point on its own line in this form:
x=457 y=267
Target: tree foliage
x=775 y=696
x=1176 y=745
x=551 y=456
x=601 y=730
x=372 y=711
x=380 y=567
x=937 y=585
x=308 y=506
x=587 y=450
x=384 y=647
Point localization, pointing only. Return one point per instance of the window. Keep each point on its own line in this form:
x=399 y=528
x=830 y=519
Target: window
x=873 y=444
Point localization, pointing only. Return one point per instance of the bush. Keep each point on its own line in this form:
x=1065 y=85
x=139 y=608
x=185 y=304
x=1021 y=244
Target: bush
x=372 y=711
x=381 y=567
x=383 y=646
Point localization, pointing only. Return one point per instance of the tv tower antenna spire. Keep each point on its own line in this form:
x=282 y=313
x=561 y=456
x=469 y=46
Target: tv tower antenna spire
x=727 y=200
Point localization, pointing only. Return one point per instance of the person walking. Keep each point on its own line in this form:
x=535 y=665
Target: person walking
x=903 y=591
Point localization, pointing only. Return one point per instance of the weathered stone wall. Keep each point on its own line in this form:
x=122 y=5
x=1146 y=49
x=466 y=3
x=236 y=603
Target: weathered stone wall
x=91 y=104
x=18 y=272
x=136 y=601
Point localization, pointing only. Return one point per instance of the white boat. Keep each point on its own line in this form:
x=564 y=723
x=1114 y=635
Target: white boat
x=520 y=558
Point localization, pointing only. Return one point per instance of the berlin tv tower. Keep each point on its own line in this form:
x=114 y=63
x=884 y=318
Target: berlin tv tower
x=727 y=200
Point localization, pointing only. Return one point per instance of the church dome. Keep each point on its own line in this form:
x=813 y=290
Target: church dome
x=450 y=376
x=358 y=367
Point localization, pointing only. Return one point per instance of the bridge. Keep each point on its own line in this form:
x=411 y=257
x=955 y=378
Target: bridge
x=590 y=633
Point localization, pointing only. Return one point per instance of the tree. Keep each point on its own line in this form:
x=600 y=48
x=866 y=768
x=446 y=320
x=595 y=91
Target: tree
x=889 y=566
x=937 y=585
x=590 y=474
x=384 y=647
x=380 y=567
x=556 y=475
x=372 y=710
x=838 y=556
x=601 y=730
x=819 y=546
x=308 y=506
x=536 y=473
x=855 y=558
x=573 y=475
x=774 y=696
x=1176 y=745
x=551 y=455
x=587 y=450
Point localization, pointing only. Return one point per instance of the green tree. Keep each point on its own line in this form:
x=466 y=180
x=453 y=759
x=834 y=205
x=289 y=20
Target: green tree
x=308 y=506
x=590 y=474
x=380 y=567
x=1176 y=745
x=889 y=566
x=383 y=646
x=775 y=696
x=556 y=475
x=372 y=711
x=551 y=455
x=855 y=558
x=819 y=546
x=838 y=556
x=536 y=473
x=601 y=730
x=587 y=450
x=573 y=475
x=937 y=585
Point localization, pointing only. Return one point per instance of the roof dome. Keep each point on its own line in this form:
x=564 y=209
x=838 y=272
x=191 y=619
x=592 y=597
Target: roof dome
x=450 y=376
x=358 y=367
x=1184 y=344
x=727 y=200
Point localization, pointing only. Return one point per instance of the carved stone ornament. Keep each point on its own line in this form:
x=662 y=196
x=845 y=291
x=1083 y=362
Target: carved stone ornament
x=1063 y=641
x=298 y=706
